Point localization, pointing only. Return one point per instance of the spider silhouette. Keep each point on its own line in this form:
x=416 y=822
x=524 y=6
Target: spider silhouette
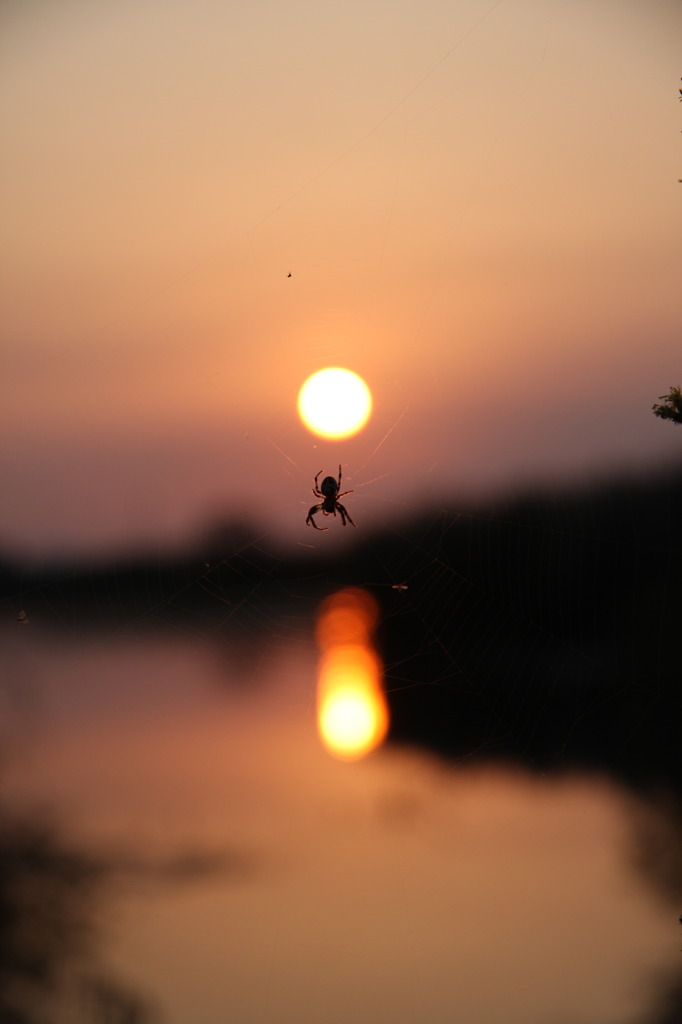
x=330 y=504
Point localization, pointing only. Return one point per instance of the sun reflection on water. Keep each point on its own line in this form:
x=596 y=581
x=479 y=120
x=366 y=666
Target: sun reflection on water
x=352 y=715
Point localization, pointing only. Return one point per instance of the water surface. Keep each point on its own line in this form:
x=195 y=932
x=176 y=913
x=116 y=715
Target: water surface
x=252 y=877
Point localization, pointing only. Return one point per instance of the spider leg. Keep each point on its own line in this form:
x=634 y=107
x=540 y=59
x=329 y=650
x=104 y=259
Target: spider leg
x=338 y=485
x=344 y=492
x=309 y=517
x=343 y=512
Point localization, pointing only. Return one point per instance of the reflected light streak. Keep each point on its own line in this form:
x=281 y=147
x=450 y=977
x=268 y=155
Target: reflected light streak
x=352 y=714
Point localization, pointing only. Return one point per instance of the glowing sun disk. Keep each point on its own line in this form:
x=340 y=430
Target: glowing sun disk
x=334 y=403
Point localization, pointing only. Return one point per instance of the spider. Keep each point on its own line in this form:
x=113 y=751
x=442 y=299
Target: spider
x=330 y=504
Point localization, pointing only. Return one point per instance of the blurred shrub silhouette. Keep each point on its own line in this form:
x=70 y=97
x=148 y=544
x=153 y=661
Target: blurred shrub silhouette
x=48 y=965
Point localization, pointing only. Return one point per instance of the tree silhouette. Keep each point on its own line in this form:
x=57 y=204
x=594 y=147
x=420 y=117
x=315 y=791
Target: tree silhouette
x=671 y=407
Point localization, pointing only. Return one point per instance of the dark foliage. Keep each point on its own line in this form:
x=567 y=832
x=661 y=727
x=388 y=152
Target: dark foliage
x=670 y=406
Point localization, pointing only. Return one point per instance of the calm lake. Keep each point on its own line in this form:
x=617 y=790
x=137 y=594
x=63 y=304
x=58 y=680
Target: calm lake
x=250 y=876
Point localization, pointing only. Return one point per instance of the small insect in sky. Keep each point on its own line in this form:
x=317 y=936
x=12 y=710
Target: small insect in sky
x=330 y=504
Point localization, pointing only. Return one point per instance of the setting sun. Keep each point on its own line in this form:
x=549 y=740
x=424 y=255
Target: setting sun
x=334 y=403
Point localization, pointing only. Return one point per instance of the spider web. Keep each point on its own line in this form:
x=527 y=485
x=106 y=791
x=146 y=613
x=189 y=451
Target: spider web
x=539 y=628
x=518 y=626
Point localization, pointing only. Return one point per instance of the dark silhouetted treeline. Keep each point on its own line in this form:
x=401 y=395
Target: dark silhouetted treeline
x=546 y=627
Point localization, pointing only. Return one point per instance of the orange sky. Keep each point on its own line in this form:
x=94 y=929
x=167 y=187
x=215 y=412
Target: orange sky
x=478 y=204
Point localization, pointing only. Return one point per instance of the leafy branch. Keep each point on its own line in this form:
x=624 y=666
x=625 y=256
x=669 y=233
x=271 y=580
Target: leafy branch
x=671 y=407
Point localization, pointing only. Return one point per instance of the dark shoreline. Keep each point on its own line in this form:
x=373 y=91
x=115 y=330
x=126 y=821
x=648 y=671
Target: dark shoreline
x=544 y=629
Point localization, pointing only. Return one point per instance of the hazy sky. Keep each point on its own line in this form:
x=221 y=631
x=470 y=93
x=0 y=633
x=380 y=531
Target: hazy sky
x=478 y=205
